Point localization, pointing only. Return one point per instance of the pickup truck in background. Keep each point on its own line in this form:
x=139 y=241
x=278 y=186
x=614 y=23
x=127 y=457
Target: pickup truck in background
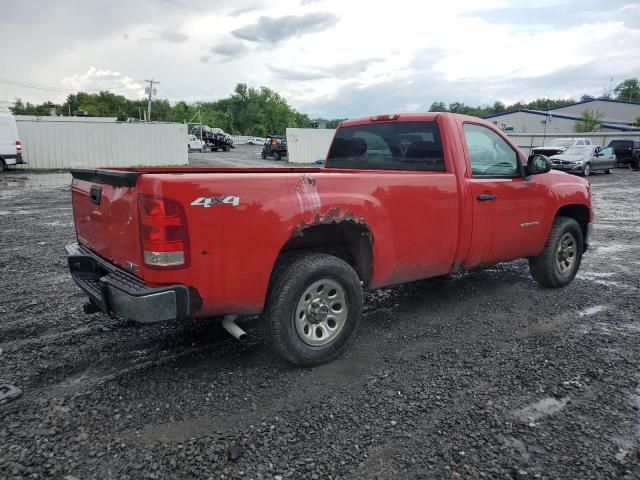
x=559 y=145
x=627 y=152
x=400 y=198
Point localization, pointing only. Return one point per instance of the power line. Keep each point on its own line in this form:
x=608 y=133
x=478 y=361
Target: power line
x=49 y=88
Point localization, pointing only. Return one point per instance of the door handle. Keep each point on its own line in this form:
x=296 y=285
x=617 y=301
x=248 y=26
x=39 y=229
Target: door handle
x=486 y=197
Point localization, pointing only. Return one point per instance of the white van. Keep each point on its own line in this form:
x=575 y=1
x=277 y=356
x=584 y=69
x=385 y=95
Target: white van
x=10 y=146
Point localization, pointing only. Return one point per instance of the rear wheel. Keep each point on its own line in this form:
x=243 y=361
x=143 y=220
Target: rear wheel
x=559 y=262
x=314 y=308
x=609 y=171
x=276 y=155
x=3 y=166
x=586 y=170
x=263 y=155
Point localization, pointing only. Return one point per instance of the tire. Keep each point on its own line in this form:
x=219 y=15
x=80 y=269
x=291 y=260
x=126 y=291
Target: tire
x=634 y=164
x=276 y=156
x=558 y=263
x=586 y=170
x=263 y=155
x=3 y=166
x=214 y=149
x=226 y=148
x=300 y=333
x=609 y=171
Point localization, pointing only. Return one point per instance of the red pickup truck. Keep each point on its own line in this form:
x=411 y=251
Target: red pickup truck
x=400 y=198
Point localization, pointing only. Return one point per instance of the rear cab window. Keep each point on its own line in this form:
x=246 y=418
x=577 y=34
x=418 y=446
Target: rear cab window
x=414 y=146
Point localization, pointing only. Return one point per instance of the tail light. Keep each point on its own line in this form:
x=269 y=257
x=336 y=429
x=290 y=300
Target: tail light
x=18 y=147
x=163 y=232
x=384 y=118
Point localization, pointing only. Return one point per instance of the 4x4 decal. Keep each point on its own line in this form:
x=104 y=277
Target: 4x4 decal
x=206 y=202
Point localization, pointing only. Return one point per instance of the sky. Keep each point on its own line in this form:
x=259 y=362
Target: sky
x=328 y=58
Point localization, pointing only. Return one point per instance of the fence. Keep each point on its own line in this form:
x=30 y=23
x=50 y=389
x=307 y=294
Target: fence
x=526 y=141
x=306 y=145
x=68 y=144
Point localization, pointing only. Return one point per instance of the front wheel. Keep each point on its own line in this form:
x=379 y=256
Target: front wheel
x=559 y=262
x=314 y=308
x=586 y=170
x=609 y=171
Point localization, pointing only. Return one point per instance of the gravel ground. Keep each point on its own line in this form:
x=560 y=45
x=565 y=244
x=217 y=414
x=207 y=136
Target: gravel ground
x=241 y=155
x=478 y=375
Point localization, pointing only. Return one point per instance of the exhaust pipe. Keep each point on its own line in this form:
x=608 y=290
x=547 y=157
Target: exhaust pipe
x=229 y=324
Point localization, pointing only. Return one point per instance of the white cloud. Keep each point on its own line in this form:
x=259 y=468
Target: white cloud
x=423 y=51
x=95 y=80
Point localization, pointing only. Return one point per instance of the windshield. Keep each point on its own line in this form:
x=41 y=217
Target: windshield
x=582 y=151
x=388 y=146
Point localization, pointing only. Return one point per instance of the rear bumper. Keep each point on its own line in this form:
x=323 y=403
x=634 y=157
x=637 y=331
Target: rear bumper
x=115 y=291
x=13 y=159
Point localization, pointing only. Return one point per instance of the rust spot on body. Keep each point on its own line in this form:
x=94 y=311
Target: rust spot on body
x=332 y=216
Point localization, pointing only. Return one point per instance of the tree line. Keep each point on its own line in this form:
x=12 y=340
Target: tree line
x=247 y=111
x=262 y=111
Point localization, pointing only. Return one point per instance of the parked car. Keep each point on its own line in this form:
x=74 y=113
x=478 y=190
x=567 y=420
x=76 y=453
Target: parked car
x=10 y=146
x=378 y=214
x=255 y=141
x=627 y=152
x=559 y=145
x=584 y=160
x=275 y=146
x=194 y=144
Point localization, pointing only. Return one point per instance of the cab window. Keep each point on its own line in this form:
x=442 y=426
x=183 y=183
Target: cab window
x=395 y=145
x=490 y=155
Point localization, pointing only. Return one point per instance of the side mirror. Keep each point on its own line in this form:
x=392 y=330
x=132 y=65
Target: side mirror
x=537 y=164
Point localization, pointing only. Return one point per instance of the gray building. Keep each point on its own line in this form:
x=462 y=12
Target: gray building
x=616 y=115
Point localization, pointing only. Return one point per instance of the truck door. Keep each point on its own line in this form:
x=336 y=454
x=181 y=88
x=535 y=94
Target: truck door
x=502 y=199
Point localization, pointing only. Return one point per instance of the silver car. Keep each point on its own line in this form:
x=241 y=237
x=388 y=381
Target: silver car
x=584 y=160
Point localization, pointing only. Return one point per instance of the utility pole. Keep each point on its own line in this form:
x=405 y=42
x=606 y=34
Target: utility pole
x=151 y=91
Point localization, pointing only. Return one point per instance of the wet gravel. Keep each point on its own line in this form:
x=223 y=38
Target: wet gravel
x=478 y=375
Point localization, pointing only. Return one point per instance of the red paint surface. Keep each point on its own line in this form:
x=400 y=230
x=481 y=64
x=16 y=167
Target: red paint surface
x=423 y=224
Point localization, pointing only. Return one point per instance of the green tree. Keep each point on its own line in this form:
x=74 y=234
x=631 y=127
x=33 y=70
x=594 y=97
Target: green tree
x=590 y=122
x=629 y=89
x=498 y=107
x=438 y=107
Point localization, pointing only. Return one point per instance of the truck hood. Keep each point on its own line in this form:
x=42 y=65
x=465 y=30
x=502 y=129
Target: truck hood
x=562 y=179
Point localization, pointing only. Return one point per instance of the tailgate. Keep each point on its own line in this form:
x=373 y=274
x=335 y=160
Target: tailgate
x=105 y=210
